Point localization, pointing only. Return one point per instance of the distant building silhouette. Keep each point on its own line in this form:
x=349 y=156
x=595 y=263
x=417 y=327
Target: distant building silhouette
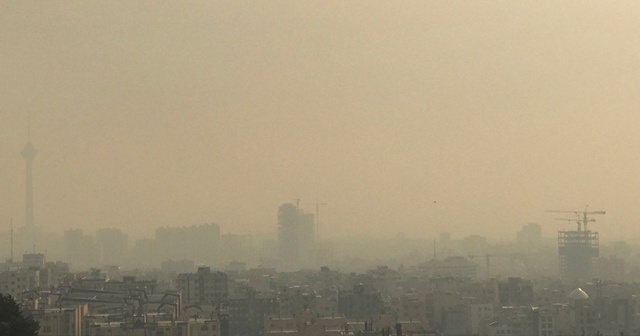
x=530 y=236
x=454 y=266
x=113 y=246
x=80 y=249
x=295 y=233
x=198 y=243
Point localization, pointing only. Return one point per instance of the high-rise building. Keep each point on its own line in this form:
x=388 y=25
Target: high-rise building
x=113 y=246
x=579 y=249
x=295 y=232
x=81 y=249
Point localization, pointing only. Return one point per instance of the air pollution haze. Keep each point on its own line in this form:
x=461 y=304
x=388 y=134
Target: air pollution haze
x=472 y=117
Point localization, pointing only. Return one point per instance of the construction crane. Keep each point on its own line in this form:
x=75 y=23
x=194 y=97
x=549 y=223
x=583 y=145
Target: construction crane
x=578 y=220
x=583 y=216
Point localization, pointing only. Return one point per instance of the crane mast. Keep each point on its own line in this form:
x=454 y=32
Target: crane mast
x=582 y=216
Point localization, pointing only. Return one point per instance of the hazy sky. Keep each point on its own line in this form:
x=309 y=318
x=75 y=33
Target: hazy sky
x=153 y=113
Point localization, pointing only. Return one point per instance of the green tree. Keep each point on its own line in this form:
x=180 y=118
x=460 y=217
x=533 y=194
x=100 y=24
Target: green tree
x=13 y=322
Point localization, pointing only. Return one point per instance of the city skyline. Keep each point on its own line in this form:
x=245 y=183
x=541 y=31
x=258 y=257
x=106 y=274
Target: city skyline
x=467 y=118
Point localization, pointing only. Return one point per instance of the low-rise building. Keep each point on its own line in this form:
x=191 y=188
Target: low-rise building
x=203 y=287
x=360 y=302
x=61 y=321
x=17 y=280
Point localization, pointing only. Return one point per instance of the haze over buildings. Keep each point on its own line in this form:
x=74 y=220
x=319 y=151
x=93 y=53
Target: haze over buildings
x=421 y=117
x=185 y=151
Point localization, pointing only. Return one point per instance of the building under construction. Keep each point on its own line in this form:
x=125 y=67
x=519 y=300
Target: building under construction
x=579 y=249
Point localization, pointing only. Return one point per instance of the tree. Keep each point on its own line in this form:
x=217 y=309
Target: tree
x=13 y=321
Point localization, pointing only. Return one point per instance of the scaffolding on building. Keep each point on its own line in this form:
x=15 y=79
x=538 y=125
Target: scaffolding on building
x=577 y=251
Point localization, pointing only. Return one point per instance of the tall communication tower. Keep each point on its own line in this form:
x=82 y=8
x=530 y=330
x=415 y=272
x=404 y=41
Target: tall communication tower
x=29 y=153
x=578 y=249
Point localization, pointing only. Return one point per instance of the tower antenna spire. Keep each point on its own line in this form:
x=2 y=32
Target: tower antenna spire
x=29 y=153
